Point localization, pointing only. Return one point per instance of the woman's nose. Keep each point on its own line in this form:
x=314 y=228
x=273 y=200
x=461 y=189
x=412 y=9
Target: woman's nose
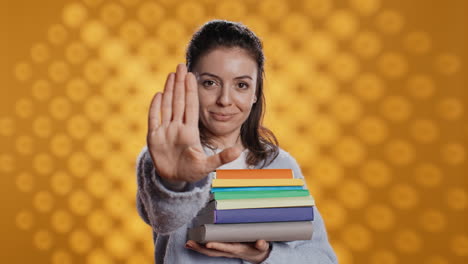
x=224 y=98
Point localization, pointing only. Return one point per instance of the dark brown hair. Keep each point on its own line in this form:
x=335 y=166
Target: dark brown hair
x=261 y=142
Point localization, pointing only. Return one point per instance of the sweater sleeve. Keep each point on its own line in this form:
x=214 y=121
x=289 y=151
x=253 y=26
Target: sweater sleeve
x=315 y=251
x=161 y=207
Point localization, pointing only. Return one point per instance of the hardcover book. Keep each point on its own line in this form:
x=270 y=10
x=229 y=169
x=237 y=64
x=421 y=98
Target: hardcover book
x=264 y=188
x=259 y=194
x=299 y=201
x=250 y=232
x=254 y=174
x=256 y=215
x=256 y=182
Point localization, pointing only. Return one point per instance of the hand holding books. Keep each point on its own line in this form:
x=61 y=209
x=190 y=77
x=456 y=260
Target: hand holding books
x=174 y=138
x=266 y=204
x=252 y=252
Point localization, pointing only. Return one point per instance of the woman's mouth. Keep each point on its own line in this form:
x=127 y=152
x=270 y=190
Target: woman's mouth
x=221 y=117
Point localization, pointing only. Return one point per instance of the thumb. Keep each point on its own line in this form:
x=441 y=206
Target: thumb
x=223 y=157
x=262 y=245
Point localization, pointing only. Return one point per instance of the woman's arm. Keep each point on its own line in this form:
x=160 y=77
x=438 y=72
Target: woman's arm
x=167 y=207
x=174 y=153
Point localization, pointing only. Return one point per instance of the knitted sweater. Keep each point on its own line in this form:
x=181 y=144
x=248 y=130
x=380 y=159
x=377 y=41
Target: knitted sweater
x=170 y=213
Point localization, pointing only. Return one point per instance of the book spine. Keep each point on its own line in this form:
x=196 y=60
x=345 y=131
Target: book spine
x=260 y=194
x=250 y=232
x=254 y=174
x=256 y=182
x=265 y=188
x=281 y=214
x=264 y=202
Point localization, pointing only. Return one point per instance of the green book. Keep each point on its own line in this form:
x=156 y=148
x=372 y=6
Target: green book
x=259 y=194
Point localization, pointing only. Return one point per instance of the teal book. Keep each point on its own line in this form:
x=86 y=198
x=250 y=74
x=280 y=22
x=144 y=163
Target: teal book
x=264 y=188
x=259 y=194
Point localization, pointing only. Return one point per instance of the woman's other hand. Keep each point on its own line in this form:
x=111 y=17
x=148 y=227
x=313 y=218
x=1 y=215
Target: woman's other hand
x=173 y=136
x=252 y=252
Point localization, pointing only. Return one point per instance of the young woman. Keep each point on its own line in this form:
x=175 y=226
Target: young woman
x=209 y=117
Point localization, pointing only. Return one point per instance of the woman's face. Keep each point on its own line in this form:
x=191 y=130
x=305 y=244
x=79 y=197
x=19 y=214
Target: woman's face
x=227 y=79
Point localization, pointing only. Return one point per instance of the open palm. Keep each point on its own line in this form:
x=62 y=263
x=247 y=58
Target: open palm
x=173 y=136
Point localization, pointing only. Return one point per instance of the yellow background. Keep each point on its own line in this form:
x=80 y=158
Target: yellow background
x=368 y=95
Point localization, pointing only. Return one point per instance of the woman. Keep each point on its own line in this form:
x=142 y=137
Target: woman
x=207 y=118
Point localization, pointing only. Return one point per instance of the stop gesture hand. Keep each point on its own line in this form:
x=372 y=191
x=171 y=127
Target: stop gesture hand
x=173 y=136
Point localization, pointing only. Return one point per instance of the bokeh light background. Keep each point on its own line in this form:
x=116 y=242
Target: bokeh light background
x=368 y=95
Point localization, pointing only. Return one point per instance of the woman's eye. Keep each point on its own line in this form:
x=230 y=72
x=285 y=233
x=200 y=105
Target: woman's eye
x=243 y=85
x=208 y=83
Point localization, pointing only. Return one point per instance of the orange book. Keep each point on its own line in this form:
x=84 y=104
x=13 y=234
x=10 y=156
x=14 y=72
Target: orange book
x=255 y=174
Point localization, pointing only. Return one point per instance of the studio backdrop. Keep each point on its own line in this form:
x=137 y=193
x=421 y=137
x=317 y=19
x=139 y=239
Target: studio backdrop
x=370 y=96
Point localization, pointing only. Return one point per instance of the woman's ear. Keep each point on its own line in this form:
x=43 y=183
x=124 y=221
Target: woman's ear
x=254 y=99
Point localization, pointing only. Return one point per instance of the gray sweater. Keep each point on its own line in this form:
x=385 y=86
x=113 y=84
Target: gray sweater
x=170 y=213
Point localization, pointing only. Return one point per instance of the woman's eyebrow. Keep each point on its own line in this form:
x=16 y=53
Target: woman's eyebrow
x=244 y=76
x=209 y=74
x=215 y=76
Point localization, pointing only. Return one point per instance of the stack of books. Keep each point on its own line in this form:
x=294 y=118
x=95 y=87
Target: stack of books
x=252 y=204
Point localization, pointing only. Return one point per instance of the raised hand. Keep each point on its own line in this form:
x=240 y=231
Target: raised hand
x=173 y=137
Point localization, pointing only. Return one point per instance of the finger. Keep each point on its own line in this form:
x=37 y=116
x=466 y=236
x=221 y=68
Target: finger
x=232 y=248
x=221 y=158
x=262 y=245
x=191 y=100
x=167 y=99
x=209 y=252
x=154 y=112
x=178 y=100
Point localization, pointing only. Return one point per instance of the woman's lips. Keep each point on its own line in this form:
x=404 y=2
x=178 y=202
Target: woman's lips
x=221 y=117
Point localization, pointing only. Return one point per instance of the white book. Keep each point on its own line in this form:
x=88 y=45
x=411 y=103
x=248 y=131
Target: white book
x=260 y=203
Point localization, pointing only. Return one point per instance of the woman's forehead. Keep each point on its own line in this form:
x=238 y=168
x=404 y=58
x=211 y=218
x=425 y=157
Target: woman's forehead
x=227 y=63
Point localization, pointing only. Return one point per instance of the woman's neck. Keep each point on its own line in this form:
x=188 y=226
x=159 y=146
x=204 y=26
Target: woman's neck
x=226 y=141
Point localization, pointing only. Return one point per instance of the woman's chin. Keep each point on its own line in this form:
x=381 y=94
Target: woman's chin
x=222 y=129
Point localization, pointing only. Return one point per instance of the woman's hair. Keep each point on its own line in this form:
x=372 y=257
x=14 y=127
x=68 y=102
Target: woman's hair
x=261 y=142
